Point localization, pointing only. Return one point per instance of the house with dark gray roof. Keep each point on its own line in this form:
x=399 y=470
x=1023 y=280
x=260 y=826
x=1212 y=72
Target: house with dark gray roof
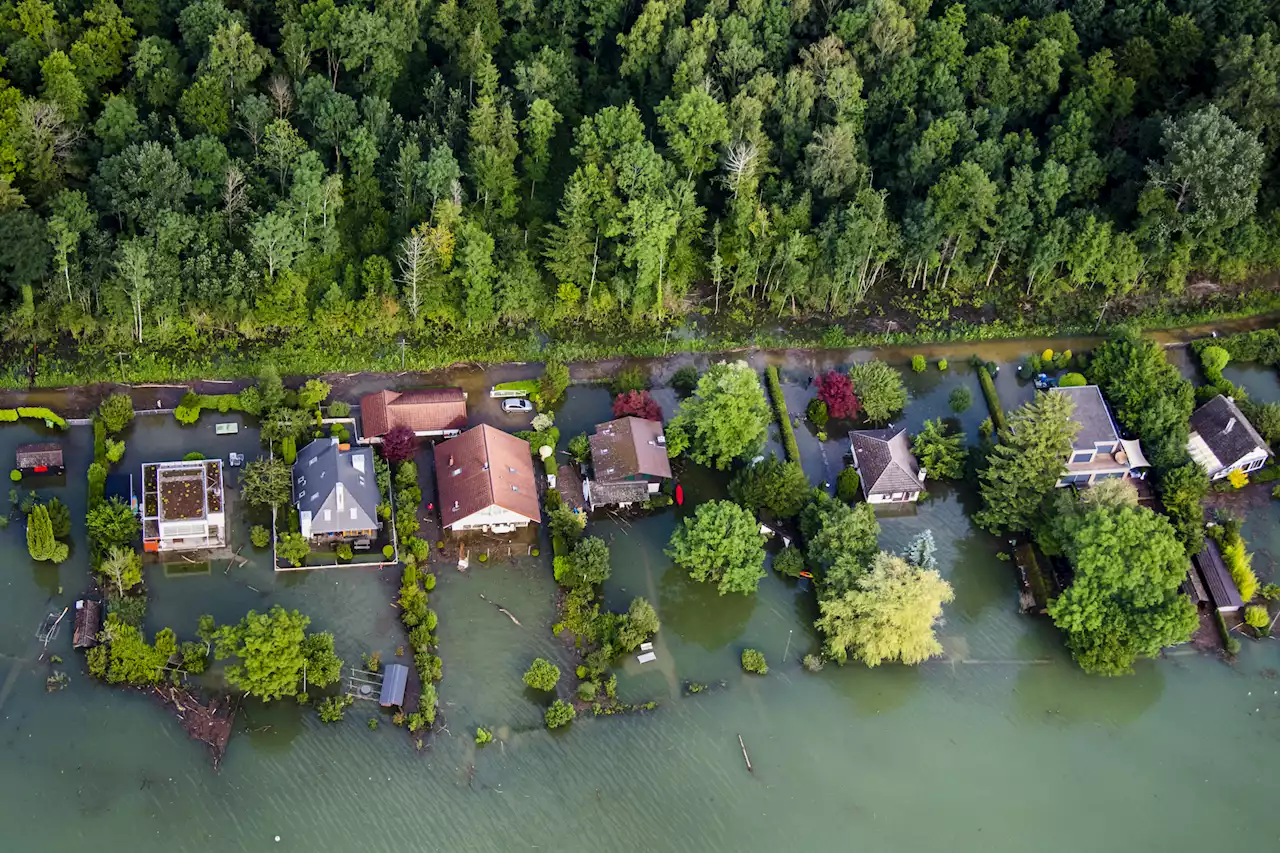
x=1222 y=440
x=1098 y=452
x=887 y=469
x=336 y=492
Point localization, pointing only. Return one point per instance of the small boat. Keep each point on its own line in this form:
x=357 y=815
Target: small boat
x=679 y=495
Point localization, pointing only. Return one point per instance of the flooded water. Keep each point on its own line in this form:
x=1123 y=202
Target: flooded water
x=1002 y=745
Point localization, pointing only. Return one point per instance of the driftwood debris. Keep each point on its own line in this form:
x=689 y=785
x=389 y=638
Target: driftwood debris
x=745 y=757
x=211 y=724
x=502 y=609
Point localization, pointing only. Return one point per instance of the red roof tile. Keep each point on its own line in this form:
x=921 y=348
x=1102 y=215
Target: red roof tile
x=485 y=467
x=421 y=410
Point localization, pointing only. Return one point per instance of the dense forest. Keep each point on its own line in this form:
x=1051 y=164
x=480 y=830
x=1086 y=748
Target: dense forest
x=186 y=177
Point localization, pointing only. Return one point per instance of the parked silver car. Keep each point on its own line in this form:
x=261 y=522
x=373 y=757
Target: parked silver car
x=517 y=405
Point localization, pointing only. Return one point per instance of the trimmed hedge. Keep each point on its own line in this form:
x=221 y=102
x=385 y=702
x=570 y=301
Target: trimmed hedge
x=39 y=413
x=784 y=419
x=993 y=399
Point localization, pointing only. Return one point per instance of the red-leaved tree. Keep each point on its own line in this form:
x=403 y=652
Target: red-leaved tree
x=836 y=391
x=637 y=404
x=399 y=444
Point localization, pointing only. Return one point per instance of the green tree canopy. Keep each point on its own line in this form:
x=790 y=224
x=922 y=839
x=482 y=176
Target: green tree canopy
x=727 y=417
x=269 y=650
x=1125 y=600
x=772 y=484
x=542 y=674
x=1023 y=468
x=587 y=565
x=887 y=615
x=266 y=482
x=722 y=543
x=835 y=531
x=940 y=452
x=879 y=390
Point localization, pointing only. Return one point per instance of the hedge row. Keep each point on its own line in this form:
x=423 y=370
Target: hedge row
x=993 y=399
x=39 y=413
x=784 y=419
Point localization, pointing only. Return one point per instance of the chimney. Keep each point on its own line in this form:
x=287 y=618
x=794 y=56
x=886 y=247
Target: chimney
x=450 y=460
x=1230 y=426
x=455 y=506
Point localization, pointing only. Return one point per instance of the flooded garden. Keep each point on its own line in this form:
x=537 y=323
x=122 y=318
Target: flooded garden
x=999 y=744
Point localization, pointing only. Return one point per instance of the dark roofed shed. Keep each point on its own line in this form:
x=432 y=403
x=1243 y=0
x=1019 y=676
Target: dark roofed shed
x=1222 y=589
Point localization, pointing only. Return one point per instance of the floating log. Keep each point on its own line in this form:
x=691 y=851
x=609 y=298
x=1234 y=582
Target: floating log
x=745 y=757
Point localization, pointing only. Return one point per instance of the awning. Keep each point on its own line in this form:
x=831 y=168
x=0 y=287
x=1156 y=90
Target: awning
x=1133 y=450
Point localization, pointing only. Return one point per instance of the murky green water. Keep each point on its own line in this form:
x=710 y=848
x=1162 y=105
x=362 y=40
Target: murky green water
x=1002 y=745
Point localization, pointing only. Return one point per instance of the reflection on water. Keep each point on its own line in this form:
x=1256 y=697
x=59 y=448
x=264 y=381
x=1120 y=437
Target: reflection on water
x=943 y=756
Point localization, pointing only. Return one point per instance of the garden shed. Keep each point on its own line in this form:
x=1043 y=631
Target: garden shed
x=394 y=680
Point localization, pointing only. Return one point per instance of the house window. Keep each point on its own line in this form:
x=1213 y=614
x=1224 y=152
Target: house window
x=1082 y=457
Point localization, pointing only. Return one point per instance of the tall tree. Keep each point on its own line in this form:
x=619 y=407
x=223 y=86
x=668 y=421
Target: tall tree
x=1025 y=465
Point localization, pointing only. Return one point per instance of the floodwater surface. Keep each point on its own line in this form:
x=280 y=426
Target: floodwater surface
x=1001 y=745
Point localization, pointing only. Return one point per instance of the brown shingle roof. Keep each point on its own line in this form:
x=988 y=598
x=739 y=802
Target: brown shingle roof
x=45 y=453
x=884 y=461
x=485 y=467
x=629 y=447
x=421 y=410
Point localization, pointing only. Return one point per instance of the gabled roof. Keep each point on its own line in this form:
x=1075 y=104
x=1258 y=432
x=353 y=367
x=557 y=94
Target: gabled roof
x=485 y=467
x=1222 y=589
x=1091 y=412
x=337 y=487
x=884 y=461
x=629 y=447
x=1225 y=431
x=421 y=410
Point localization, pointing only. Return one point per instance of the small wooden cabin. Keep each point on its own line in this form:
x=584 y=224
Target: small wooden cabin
x=42 y=458
x=88 y=623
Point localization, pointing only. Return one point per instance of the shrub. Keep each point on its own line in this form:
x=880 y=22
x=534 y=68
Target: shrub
x=339 y=409
x=259 y=536
x=560 y=714
x=836 y=391
x=399 y=444
x=333 y=709
x=817 y=413
x=542 y=675
x=789 y=562
x=15 y=476
x=780 y=409
x=1238 y=479
x=753 y=661
x=1257 y=618
x=483 y=736
x=587 y=691
x=960 y=400
x=193 y=456
x=388 y=551
x=629 y=380
x=114 y=450
x=847 y=483
x=1072 y=380
x=993 y=399
x=116 y=412
x=636 y=404
x=918 y=363
x=1270 y=591
x=553 y=384
x=293 y=548
x=685 y=380
x=483 y=558
x=188 y=411
x=1239 y=564
x=289 y=449
x=344 y=552
x=813 y=663
x=1046 y=357
x=942 y=364
x=40 y=413
x=428 y=582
